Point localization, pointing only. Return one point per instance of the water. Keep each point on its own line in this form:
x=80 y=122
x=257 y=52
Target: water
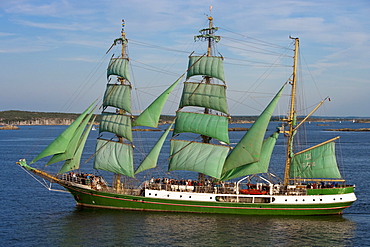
x=32 y=216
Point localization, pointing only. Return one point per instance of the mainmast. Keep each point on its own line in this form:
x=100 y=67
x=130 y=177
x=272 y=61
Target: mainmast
x=208 y=35
x=292 y=114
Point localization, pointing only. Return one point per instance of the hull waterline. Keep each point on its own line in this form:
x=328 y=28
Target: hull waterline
x=98 y=199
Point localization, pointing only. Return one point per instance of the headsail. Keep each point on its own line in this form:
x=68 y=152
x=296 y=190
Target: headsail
x=73 y=144
x=74 y=162
x=60 y=144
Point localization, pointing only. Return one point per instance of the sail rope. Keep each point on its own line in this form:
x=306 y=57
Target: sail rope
x=43 y=182
x=258 y=82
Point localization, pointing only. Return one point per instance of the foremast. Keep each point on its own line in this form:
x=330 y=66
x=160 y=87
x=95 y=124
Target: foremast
x=291 y=120
x=117 y=95
x=117 y=177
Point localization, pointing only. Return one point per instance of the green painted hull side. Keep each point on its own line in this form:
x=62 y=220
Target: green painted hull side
x=90 y=198
x=331 y=191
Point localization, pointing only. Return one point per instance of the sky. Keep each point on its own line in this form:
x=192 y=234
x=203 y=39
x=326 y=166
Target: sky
x=53 y=53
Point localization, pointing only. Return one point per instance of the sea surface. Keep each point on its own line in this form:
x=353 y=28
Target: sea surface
x=31 y=215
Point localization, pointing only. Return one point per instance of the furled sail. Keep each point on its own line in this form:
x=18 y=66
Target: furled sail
x=117 y=124
x=199 y=157
x=114 y=157
x=150 y=116
x=119 y=67
x=151 y=159
x=248 y=150
x=214 y=126
x=74 y=162
x=60 y=144
x=207 y=66
x=211 y=96
x=119 y=96
x=316 y=162
x=260 y=166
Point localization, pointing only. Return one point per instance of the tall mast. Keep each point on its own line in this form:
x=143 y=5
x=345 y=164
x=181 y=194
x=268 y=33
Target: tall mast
x=207 y=34
x=123 y=41
x=292 y=114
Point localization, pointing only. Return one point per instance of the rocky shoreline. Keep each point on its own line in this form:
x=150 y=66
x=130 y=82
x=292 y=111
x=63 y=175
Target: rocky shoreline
x=349 y=129
x=9 y=127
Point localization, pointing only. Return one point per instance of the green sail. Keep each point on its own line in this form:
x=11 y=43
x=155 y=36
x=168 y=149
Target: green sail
x=260 y=166
x=117 y=124
x=74 y=162
x=204 y=124
x=118 y=96
x=73 y=144
x=207 y=66
x=151 y=159
x=119 y=67
x=211 y=96
x=248 y=150
x=114 y=157
x=198 y=157
x=60 y=144
x=150 y=116
x=318 y=162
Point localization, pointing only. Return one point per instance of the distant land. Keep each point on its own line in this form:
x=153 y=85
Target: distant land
x=17 y=118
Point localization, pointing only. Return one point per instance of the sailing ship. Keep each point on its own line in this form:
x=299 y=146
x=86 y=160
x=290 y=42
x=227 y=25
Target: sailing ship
x=229 y=181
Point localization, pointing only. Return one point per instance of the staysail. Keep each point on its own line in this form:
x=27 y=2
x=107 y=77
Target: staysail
x=150 y=116
x=260 y=166
x=150 y=160
x=74 y=162
x=248 y=150
x=61 y=143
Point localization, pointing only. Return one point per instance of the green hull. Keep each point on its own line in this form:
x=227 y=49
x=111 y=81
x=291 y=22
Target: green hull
x=98 y=199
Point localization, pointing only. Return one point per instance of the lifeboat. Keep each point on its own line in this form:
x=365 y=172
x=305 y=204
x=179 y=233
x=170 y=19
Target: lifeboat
x=253 y=192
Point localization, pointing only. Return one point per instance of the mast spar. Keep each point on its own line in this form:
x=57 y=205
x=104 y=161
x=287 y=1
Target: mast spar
x=208 y=35
x=291 y=120
x=123 y=41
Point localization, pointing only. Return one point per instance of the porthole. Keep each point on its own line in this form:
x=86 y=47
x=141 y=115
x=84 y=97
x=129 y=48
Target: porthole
x=340 y=198
x=189 y=196
x=286 y=200
x=150 y=194
x=168 y=195
x=320 y=200
x=180 y=196
x=313 y=199
x=303 y=200
x=155 y=195
x=210 y=198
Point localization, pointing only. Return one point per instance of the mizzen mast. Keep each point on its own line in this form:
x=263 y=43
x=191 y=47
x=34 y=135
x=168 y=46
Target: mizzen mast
x=291 y=120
